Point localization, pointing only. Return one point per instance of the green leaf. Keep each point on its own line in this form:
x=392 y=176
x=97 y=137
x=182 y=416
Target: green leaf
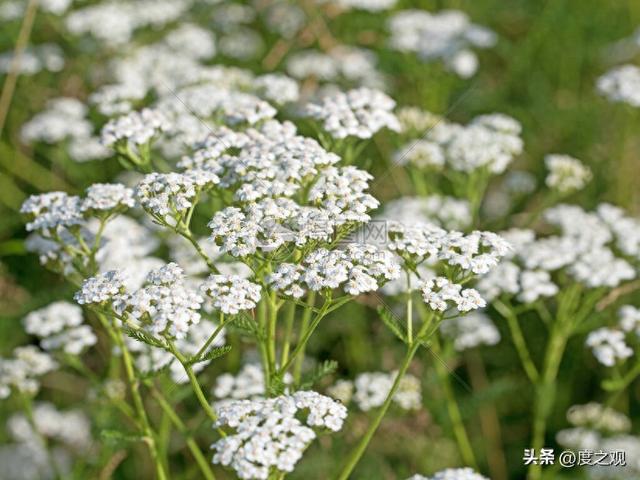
x=212 y=354
x=276 y=385
x=392 y=322
x=322 y=370
x=247 y=325
x=144 y=337
x=119 y=437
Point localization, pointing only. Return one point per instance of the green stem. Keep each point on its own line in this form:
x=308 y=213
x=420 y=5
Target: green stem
x=199 y=457
x=306 y=318
x=518 y=340
x=291 y=315
x=546 y=393
x=459 y=431
x=195 y=385
x=357 y=453
x=134 y=386
x=302 y=344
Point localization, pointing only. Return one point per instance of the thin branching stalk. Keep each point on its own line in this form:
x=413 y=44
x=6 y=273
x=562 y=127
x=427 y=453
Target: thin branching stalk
x=359 y=450
x=199 y=457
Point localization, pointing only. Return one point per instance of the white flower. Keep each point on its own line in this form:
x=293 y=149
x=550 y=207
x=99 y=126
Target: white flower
x=629 y=319
x=622 y=84
x=446 y=35
x=102 y=288
x=165 y=305
x=231 y=294
x=608 y=346
x=60 y=326
x=277 y=88
x=135 y=128
x=107 y=197
x=420 y=154
x=269 y=434
x=535 y=284
x=164 y=195
x=22 y=371
x=471 y=330
x=566 y=174
x=49 y=212
x=441 y=294
x=360 y=113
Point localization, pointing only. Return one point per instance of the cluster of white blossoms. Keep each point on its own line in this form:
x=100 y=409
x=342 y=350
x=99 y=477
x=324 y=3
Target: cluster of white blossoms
x=352 y=65
x=60 y=326
x=470 y=331
x=488 y=142
x=368 y=5
x=51 y=214
x=370 y=389
x=566 y=174
x=609 y=344
x=423 y=154
x=168 y=196
x=277 y=88
x=115 y=22
x=62 y=118
x=165 y=305
x=477 y=252
x=629 y=319
x=357 y=269
x=622 y=84
x=597 y=427
x=248 y=383
x=45 y=56
x=71 y=427
x=447 y=35
x=44 y=447
x=452 y=474
x=231 y=294
x=272 y=434
x=441 y=295
x=22 y=371
x=359 y=113
x=585 y=248
x=446 y=212
x=134 y=129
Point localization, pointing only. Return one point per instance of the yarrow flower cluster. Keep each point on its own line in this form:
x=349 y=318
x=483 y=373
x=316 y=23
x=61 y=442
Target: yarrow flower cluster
x=566 y=174
x=357 y=269
x=441 y=294
x=60 y=326
x=52 y=214
x=370 y=389
x=489 y=142
x=447 y=35
x=272 y=434
x=168 y=196
x=622 y=84
x=231 y=294
x=21 y=372
x=358 y=113
x=470 y=331
x=134 y=129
